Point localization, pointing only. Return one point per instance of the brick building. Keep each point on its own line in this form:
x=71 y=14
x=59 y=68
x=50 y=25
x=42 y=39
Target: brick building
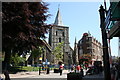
x=88 y=45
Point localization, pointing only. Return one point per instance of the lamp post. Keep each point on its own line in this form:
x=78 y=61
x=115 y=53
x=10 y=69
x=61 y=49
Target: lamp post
x=107 y=75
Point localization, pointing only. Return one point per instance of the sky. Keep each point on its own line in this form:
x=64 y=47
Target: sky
x=80 y=17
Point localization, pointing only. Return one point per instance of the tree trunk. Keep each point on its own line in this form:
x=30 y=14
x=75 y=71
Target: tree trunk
x=26 y=63
x=33 y=61
x=37 y=61
x=6 y=62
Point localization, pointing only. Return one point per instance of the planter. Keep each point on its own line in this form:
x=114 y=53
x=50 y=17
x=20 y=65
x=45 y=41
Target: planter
x=74 y=76
x=56 y=70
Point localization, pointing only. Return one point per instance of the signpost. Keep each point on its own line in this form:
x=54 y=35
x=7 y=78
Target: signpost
x=40 y=59
x=46 y=63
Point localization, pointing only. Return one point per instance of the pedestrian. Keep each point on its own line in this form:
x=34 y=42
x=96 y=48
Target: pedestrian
x=82 y=73
x=60 y=69
x=86 y=66
x=78 y=68
x=72 y=68
x=7 y=77
x=1 y=78
x=113 y=72
x=117 y=71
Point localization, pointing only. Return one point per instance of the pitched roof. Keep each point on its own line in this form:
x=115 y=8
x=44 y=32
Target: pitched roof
x=47 y=45
x=58 y=19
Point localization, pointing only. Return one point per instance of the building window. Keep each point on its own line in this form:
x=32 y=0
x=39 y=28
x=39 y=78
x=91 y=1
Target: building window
x=59 y=39
x=93 y=50
x=87 y=38
x=56 y=33
x=63 y=34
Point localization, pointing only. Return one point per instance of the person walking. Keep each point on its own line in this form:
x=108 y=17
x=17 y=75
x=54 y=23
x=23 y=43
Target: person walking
x=78 y=68
x=72 y=68
x=82 y=73
x=1 y=78
x=114 y=74
x=60 y=69
x=7 y=77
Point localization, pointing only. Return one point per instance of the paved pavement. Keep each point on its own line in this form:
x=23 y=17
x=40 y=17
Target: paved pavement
x=52 y=76
x=43 y=76
x=35 y=74
x=94 y=77
x=38 y=79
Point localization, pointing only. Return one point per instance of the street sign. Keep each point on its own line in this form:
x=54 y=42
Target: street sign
x=107 y=19
x=115 y=11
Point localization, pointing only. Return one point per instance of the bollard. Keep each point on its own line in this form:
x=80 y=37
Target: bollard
x=48 y=70
x=39 y=70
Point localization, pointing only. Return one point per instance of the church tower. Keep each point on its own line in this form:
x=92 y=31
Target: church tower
x=75 y=53
x=60 y=33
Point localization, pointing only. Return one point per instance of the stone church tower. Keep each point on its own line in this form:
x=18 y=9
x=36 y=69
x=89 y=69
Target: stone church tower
x=75 y=53
x=60 y=33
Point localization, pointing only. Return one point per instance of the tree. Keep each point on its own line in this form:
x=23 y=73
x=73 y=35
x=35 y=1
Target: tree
x=16 y=60
x=58 y=52
x=23 y=27
x=36 y=54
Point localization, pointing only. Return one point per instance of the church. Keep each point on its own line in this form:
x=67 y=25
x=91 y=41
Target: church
x=57 y=34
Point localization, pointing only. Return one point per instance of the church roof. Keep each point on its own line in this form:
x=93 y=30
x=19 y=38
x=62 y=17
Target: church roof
x=58 y=19
x=47 y=45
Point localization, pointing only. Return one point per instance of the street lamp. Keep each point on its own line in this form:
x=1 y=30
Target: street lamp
x=107 y=75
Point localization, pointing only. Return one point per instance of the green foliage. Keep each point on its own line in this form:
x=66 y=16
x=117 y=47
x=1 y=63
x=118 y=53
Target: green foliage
x=1 y=59
x=1 y=56
x=26 y=68
x=37 y=52
x=16 y=60
x=23 y=27
x=22 y=68
x=58 y=51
